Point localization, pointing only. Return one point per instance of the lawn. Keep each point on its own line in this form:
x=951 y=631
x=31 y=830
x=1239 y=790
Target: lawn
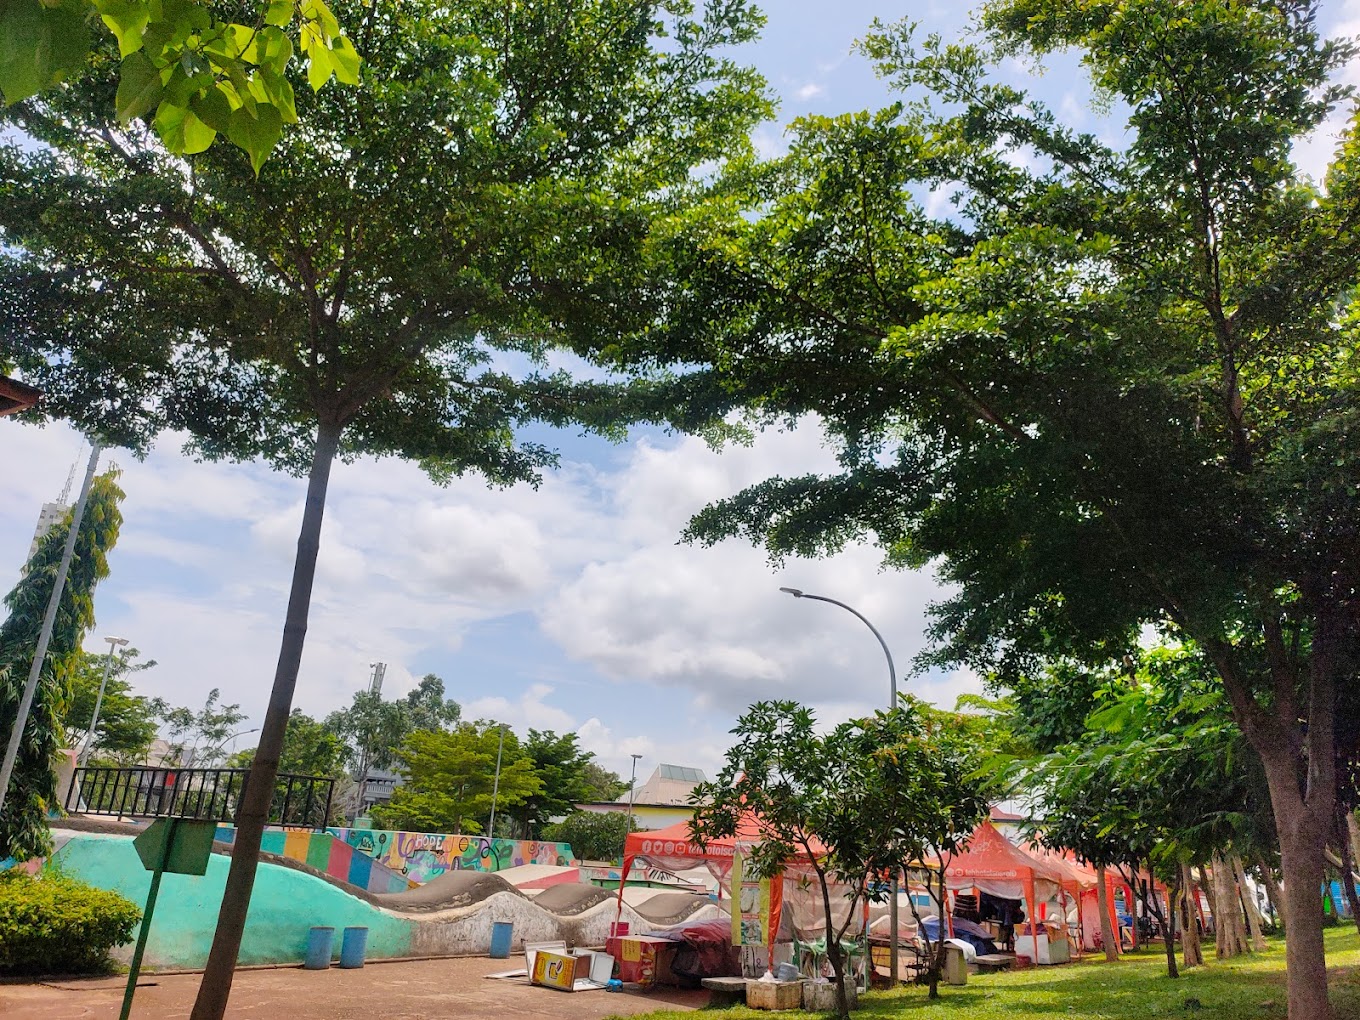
x=1249 y=988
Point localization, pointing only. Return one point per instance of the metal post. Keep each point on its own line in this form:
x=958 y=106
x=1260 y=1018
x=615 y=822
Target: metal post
x=496 y=786
x=135 y=967
x=892 y=703
x=632 y=786
x=99 y=698
x=49 y=619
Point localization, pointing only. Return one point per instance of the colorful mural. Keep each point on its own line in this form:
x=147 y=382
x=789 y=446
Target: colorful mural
x=421 y=856
x=328 y=852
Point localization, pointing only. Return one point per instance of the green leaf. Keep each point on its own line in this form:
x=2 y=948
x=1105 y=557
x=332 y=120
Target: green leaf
x=38 y=46
x=127 y=20
x=181 y=130
x=345 y=60
x=256 y=134
x=213 y=108
x=139 y=87
x=279 y=12
x=319 y=67
x=280 y=94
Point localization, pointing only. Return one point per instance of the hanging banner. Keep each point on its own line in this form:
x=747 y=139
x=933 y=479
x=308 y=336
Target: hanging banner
x=750 y=906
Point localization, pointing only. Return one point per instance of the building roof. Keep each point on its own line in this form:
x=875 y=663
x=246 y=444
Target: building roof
x=16 y=396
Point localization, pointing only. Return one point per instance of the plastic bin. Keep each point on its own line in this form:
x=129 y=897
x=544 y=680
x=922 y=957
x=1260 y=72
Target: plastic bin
x=353 y=946
x=502 y=933
x=319 y=942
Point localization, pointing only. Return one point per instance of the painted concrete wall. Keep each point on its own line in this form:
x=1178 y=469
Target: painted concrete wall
x=285 y=904
x=421 y=856
x=329 y=853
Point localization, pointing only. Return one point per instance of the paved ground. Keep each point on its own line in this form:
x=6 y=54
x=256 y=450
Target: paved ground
x=391 y=991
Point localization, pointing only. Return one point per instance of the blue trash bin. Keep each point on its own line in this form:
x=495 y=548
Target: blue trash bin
x=319 y=941
x=352 y=947
x=501 y=934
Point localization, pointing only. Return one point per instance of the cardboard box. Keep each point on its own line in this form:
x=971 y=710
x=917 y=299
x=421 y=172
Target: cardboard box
x=554 y=970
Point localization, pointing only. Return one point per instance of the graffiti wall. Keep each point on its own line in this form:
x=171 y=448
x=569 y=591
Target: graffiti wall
x=420 y=856
x=326 y=852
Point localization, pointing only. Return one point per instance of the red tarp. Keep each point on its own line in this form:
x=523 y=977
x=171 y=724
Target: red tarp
x=995 y=865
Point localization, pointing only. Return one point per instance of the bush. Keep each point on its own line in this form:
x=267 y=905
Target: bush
x=56 y=925
x=593 y=837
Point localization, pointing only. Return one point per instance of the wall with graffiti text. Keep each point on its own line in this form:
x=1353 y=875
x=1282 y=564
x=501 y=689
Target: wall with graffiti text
x=421 y=856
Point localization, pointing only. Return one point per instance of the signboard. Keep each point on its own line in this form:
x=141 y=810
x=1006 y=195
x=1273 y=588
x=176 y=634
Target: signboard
x=177 y=845
x=554 y=970
x=750 y=906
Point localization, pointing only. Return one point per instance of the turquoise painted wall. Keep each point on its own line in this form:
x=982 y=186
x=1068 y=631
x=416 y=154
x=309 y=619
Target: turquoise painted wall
x=285 y=904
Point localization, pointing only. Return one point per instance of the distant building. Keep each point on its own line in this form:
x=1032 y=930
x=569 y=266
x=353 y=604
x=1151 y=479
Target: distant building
x=49 y=517
x=661 y=801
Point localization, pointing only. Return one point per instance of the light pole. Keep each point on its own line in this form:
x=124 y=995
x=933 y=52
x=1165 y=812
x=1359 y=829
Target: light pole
x=114 y=642
x=798 y=593
x=632 y=786
x=496 y=785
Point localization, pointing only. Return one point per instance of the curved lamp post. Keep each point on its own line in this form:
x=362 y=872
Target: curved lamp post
x=798 y=593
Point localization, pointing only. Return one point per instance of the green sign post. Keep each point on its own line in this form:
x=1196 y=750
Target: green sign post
x=180 y=846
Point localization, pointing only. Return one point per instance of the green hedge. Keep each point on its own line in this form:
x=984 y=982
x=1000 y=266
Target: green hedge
x=56 y=925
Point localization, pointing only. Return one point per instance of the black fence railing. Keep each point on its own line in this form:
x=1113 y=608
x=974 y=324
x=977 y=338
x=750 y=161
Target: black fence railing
x=206 y=794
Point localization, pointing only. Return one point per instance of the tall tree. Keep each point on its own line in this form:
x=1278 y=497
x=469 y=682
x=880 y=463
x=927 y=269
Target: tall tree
x=450 y=780
x=127 y=721
x=33 y=792
x=200 y=738
x=483 y=196
x=593 y=836
x=561 y=766
x=1107 y=387
x=602 y=784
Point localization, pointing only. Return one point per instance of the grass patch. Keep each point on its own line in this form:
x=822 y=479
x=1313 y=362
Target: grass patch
x=1135 y=988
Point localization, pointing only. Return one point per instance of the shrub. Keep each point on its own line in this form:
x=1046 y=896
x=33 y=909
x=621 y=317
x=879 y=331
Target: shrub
x=54 y=924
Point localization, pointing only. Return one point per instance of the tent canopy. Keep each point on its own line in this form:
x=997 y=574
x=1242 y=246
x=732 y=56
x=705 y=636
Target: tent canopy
x=674 y=849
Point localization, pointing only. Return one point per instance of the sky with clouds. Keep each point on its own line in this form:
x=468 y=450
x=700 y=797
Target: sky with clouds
x=569 y=607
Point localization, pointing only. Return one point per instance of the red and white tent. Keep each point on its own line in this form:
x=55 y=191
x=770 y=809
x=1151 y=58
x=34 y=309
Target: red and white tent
x=993 y=864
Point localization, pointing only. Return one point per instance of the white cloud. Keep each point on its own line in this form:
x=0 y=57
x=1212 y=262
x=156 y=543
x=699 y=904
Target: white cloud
x=811 y=90
x=530 y=710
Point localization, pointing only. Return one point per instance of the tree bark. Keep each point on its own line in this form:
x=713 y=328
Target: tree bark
x=1192 y=952
x=1258 y=939
x=1273 y=891
x=1173 y=892
x=215 y=988
x=1231 y=931
x=1108 y=938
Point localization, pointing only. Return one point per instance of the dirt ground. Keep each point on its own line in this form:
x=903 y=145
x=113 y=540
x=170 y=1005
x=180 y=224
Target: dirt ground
x=392 y=991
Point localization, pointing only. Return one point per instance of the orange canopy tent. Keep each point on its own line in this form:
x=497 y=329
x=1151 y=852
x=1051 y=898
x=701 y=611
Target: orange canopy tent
x=995 y=865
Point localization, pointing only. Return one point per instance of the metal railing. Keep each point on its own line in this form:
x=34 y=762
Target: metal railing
x=205 y=794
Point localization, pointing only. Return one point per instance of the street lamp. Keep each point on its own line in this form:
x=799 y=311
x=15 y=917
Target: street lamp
x=632 y=786
x=798 y=593
x=496 y=785
x=114 y=642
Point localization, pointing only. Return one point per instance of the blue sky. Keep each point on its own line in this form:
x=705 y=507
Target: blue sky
x=571 y=607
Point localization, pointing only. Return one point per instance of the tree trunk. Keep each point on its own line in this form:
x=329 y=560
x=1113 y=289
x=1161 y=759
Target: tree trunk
x=1258 y=939
x=833 y=947
x=215 y=988
x=1109 y=939
x=1173 y=892
x=1231 y=932
x=1192 y=952
x=1348 y=874
x=1273 y=891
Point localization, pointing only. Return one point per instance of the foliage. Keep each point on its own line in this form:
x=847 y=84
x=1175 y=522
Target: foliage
x=33 y=793
x=1102 y=389
x=594 y=836
x=374 y=728
x=199 y=71
x=871 y=797
x=601 y=783
x=127 y=721
x=561 y=766
x=1132 y=989
x=310 y=748
x=449 y=777
x=200 y=738
x=53 y=924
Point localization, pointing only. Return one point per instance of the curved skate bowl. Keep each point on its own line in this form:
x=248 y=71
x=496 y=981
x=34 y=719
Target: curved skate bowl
x=451 y=914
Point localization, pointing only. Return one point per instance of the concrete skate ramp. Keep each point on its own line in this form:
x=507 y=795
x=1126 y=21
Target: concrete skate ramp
x=569 y=900
x=452 y=890
x=670 y=907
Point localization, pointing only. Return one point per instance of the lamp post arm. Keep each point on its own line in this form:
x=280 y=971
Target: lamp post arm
x=892 y=669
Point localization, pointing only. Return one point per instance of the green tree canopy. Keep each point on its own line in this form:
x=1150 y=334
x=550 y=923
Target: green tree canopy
x=33 y=793
x=373 y=729
x=561 y=766
x=449 y=779
x=310 y=748
x=601 y=784
x=200 y=738
x=1104 y=388
x=128 y=722
x=594 y=836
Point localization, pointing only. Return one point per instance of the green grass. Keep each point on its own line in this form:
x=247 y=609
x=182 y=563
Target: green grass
x=1249 y=988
